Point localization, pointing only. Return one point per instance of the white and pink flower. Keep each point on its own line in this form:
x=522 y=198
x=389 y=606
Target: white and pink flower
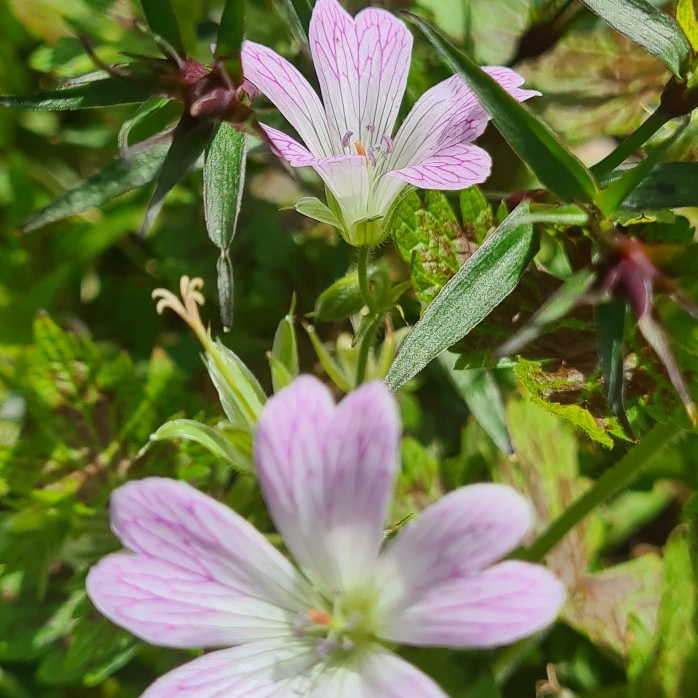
x=199 y=575
x=362 y=65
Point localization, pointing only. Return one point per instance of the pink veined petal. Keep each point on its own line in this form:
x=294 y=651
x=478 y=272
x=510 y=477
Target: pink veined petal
x=362 y=67
x=173 y=522
x=503 y=604
x=290 y=92
x=289 y=149
x=447 y=114
x=326 y=474
x=166 y=605
x=256 y=670
x=461 y=534
x=335 y=50
x=456 y=167
x=385 y=48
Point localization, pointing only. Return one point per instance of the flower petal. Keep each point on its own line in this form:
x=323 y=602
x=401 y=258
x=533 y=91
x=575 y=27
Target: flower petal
x=290 y=92
x=496 y=607
x=173 y=522
x=462 y=533
x=335 y=50
x=447 y=114
x=289 y=149
x=255 y=670
x=362 y=67
x=377 y=673
x=385 y=48
x=166 y=605
x=456 y=167
x=326 y=476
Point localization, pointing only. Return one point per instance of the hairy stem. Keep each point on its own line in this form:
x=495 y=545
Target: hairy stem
x=631 y=144
x=362 y=268
x=365 y=348
x=616 y=477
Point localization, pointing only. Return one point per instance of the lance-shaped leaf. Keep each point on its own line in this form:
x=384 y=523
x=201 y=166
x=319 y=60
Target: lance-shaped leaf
x=115 y=179
x=230 y=35
x=610 y=326
x=162 y=21
x=185 y=150
x=283 y=356
x=483 y=397
x=105 y=92
x=558 y=305
x=298 y=13
x=686 y=17
x=609 y=200
x=480 y=285
x=668 y=185
x=212 y=440
x=555 y=166
x=224 y=181
x=151 y=106
x=647 y=26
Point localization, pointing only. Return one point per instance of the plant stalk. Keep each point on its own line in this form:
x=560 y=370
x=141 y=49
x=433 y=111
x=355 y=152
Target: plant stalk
x=365 y=348
x=364 y=285
x=616 y=477
x=631 y=144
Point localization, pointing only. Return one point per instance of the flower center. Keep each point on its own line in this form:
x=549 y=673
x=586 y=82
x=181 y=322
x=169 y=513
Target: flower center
x=377 y=155
x=337 y=632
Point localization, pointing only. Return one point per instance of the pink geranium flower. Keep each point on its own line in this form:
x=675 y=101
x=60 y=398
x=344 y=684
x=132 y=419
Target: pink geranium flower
x=199 y=575
x=362 y=65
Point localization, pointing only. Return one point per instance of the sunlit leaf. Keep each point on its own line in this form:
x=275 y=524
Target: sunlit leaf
x=686 y=17
x=648 y=27
x=480 y=285
x=284 y=352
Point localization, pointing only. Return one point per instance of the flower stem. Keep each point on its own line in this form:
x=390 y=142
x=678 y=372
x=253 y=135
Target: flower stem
x=362 y=268
x=616 y=477
x=632 y=143
x=365 y=348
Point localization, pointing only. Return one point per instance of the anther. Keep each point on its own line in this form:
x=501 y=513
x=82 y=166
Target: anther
x=324 y=647
x=370 y=128
x=388 y=142
x=347 y=139
x=360 y=149
x=319 y=617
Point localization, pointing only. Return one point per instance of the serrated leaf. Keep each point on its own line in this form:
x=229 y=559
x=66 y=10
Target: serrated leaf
x=230 y=35
x=163 y=22
x=555 y=166
x=428 y=237
x=107 y=92
x=182 y=155
x=476 y=214
x=610 y=326
x=480 y=285
x=212 y=440
x=224 y=181
x=647 y=26
x=115 y=179
x=686 y=17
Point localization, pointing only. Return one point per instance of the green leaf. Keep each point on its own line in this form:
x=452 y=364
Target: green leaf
x=106 y=92
x=668 y=185
x=112 y=181
x=211 y=439
x=648 y=27
x=298 y=13
x=557 y=168
x=686 y=17
x=315 y=209
x=483 y=397
x=480 y=285
x=476 y=214
x=610 y=326
x=342 y=299
x=162 y=21
x=151 y=106
x=284 y=351
x=230 y=35
x=557 y=306
x=610 y=199
x=224 y=181
x=225 y=282
x=332 y=369
x=181 y=156
x=429 y=238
